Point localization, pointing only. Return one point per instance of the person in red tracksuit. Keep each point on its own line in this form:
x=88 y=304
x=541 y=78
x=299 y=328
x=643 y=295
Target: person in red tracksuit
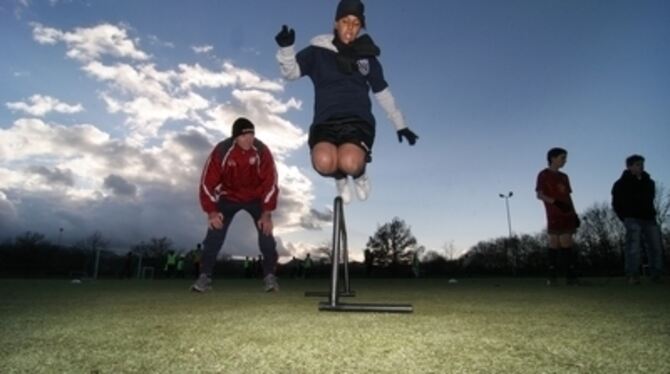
x=239 y=174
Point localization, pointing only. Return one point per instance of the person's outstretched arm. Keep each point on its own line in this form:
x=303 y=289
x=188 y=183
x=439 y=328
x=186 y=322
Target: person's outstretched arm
x=288 y=65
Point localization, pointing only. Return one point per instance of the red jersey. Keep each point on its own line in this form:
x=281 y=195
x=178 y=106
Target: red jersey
x=239 y=176
x=556 y=185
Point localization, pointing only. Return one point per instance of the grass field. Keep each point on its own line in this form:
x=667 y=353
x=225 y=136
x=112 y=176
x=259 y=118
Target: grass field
x=475 y=326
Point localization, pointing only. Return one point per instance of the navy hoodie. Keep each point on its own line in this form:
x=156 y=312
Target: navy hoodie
x=633 y=197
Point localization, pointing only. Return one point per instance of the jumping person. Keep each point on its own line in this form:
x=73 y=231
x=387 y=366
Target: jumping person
x=553 y=188
x=343 y=67
x=633 y=201
x=239 y=174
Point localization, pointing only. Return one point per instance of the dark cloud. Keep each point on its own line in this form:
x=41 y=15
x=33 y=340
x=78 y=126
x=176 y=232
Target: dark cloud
x=120 y=186
x=55 y=175
x=315 y=219
x=194 y=142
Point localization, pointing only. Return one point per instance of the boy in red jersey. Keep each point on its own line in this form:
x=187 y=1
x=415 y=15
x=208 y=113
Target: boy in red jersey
x=553 y=188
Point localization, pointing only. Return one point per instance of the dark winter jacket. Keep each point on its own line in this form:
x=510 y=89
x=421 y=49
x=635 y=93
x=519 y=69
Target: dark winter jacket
x=633 y=197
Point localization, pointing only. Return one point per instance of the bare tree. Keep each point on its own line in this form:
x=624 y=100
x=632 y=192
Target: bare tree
x=95 y=243
x=449 y=250
x=662 y=205
x=30 y=239
x=155 y=248
x=393 y=244
x=601 y=237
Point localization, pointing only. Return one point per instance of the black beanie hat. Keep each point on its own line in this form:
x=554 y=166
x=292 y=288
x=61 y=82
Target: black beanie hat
x=353 y=7
x=242 y=126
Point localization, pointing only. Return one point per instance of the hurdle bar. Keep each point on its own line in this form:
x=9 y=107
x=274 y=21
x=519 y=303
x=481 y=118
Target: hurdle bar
x=340 y=253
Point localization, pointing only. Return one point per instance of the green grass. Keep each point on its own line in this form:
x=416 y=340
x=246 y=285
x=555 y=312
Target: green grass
x=475 y=326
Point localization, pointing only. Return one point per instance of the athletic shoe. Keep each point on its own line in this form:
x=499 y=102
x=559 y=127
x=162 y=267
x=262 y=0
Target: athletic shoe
x=203 y=284
x=362 y=187
x=634 y=280
x=343 y=190
x=271 y=284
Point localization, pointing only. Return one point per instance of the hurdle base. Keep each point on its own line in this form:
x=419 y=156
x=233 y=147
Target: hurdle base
x=370 y=308
x=327 y=294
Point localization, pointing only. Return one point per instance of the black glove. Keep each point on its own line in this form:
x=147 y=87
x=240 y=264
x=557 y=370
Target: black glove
x=563 y=206
x=285 y=37
x=578 y=222
x=407 y=134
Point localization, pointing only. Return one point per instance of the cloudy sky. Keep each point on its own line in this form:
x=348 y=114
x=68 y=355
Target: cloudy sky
x=108 y=110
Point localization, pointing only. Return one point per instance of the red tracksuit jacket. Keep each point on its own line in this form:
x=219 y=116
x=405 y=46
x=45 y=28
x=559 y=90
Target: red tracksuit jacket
x=239 y=176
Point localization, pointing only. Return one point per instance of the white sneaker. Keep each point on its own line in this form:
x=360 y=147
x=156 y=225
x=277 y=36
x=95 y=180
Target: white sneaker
x=343 y=189
x=271 y=284
x=362 y=187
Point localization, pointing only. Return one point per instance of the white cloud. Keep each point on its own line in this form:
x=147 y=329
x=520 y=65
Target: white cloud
x=197 y=76
x=8 y=214
x=40 y=105
x=153 y=39
x=130 y=183
x=86 y=44
x=202 y=48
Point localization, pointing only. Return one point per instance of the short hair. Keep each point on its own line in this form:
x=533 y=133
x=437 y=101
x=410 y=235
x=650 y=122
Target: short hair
x=555 y=152
x=633 y=159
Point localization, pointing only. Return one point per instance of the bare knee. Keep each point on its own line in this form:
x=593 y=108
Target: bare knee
x=566 y=240
x=351 y=159
x=324 y=159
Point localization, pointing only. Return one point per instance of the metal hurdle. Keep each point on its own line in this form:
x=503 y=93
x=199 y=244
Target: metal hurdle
x=340 y=255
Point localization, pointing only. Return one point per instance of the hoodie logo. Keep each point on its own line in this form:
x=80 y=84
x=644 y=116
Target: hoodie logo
x=363 y=66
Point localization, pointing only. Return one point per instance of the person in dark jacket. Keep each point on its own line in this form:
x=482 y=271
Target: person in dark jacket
x=239 y=174
x=344 y=68
x=633 y=201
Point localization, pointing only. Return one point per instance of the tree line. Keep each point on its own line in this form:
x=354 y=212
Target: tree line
x=393 y=251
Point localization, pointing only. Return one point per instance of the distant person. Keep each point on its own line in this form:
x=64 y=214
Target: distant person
x=553 y=188
x=633 y=201
x=170 y=264
x=196 y=257
x=247 y=267
x=239 y=174
x=307 y=266
x=343 y=67
x=369 y=260
x=296 y=267
x=180 y=265
x=128 y=265
x=416 y=265
x=258 y=270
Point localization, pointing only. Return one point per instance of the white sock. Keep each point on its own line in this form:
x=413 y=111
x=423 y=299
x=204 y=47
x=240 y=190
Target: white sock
x=343 y=189
x=362 y=187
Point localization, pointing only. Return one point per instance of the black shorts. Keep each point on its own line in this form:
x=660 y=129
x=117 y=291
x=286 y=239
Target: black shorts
x=342 y=131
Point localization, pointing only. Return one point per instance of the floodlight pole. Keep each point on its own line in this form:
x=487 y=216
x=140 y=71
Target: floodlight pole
x=60 y=235
x=508 y=196
x=509 y=219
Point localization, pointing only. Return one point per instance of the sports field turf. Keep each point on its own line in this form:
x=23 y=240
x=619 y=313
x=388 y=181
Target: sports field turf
x=475 y=326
